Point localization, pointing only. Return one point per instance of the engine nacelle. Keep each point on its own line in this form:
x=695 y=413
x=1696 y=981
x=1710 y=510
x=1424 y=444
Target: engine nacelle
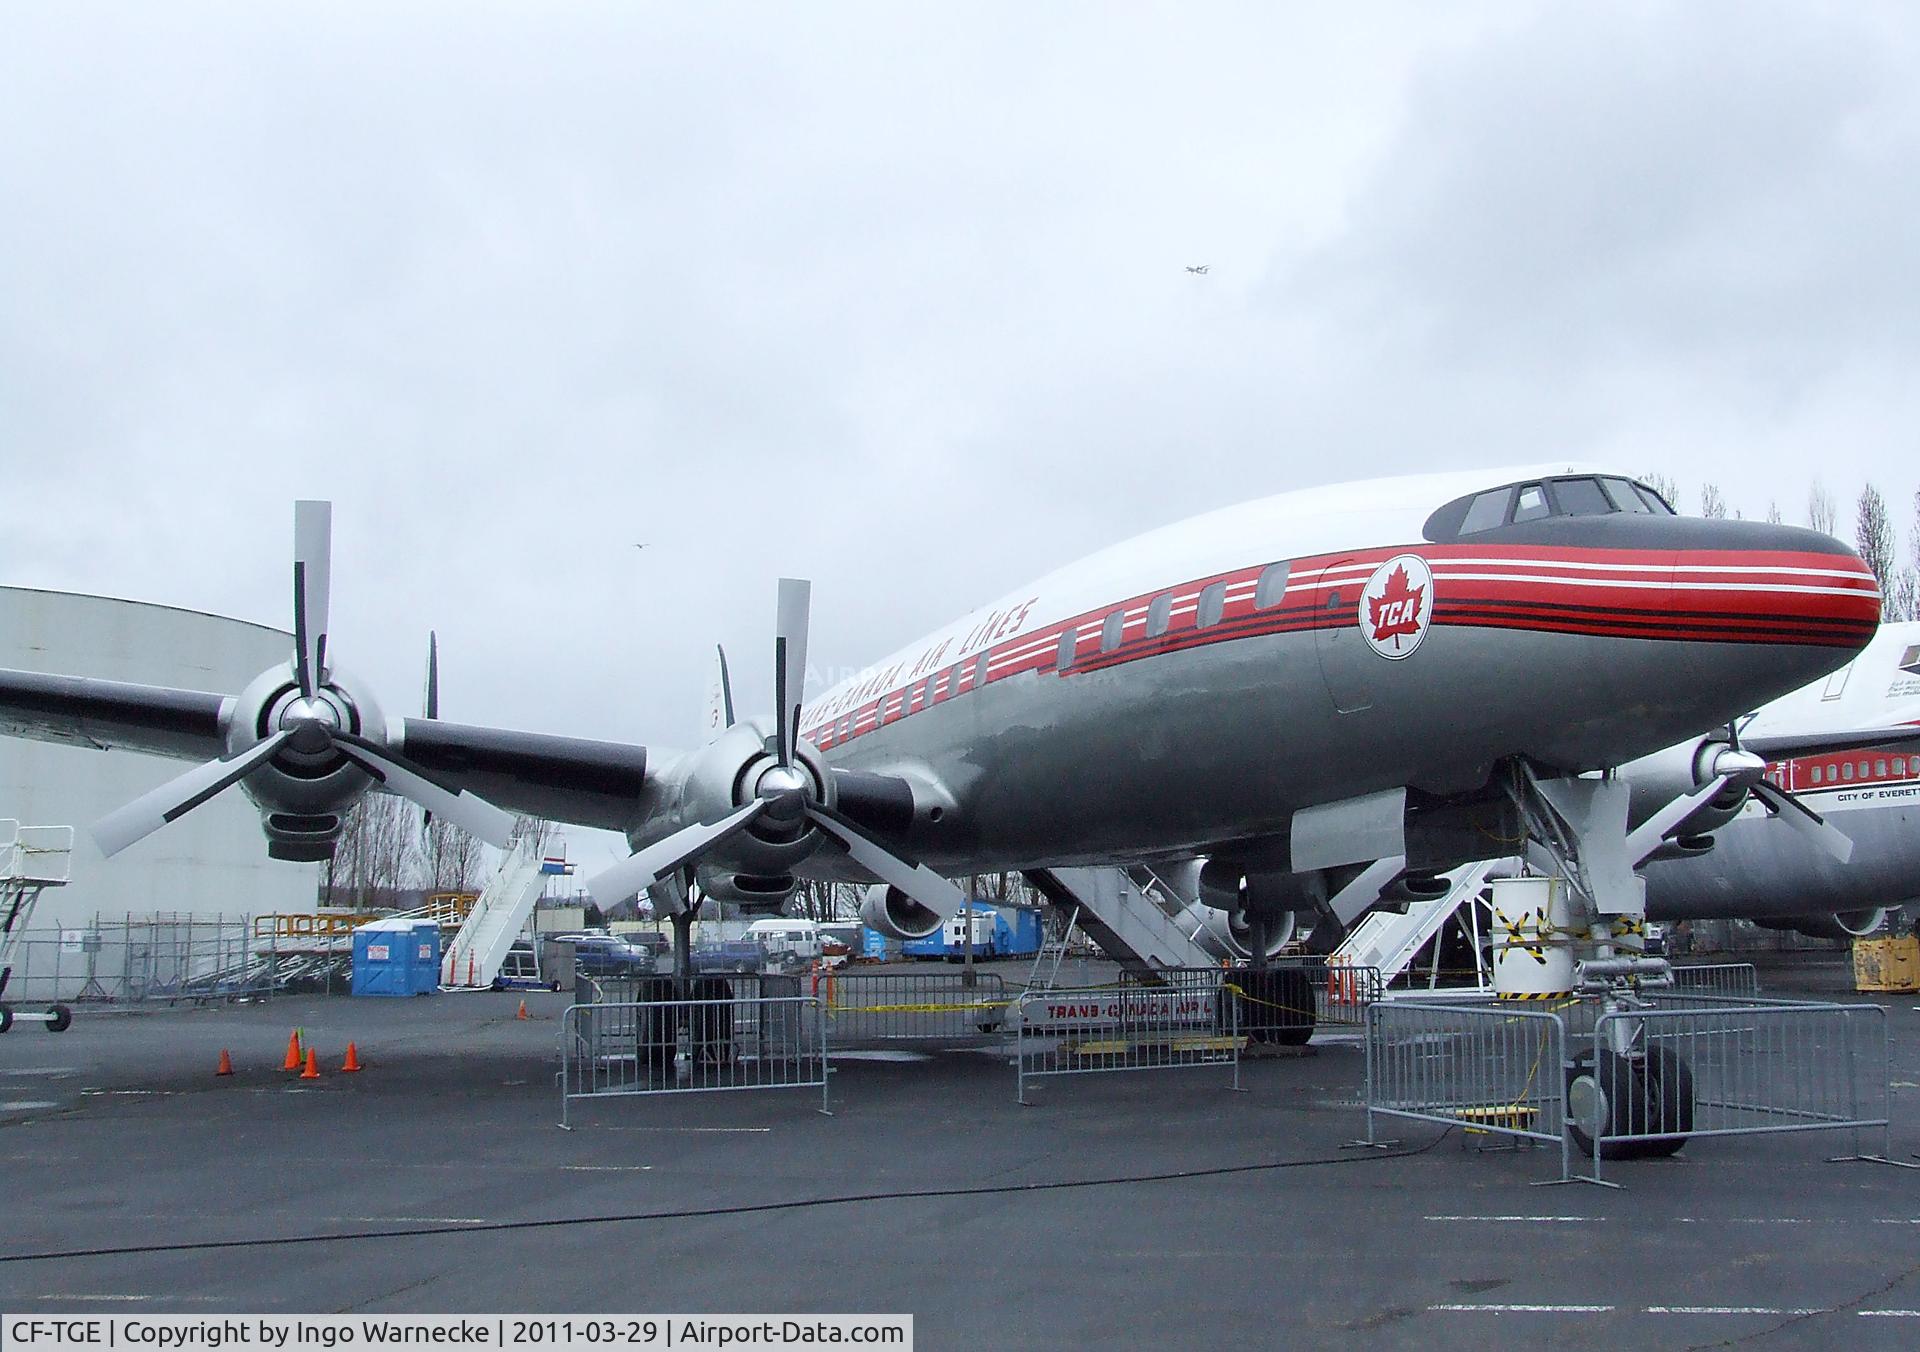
x=1841 y=925
x=748 y=891
x=897 y=915
x=1226 y=934
x=303 y=798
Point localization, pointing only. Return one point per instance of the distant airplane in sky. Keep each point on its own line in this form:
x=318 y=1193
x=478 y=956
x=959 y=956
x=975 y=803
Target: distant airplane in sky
x=1200 y=271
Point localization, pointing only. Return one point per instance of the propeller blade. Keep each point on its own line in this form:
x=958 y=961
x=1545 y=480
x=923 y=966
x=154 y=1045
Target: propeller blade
x=790 y=660
x=1805 y=820
x=179 y=796
x=646 y=867
x=312 y=583
x=477 y=817
x=433 y=675
x=1645 y=838
x=726 y=689
x=916 y=880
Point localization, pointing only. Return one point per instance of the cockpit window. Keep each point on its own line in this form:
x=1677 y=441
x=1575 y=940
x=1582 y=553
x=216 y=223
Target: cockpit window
x=1486 y=511
x=1624 y=496
x=1531 y=504
x=1574 y=495
x=1655 y=503
x=1579 y=497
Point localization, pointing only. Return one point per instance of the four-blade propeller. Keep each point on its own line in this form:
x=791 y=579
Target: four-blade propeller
x=784 y=794
x=310 y=726
x=1734 y=765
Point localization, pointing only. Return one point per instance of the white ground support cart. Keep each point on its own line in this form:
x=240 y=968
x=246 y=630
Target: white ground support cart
x=32 y=859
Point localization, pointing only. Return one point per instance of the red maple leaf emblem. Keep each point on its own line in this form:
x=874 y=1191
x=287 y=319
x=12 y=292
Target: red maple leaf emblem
x=1396 y=612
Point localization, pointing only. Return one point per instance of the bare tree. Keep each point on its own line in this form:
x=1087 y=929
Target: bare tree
x=450 y=859
x=1773 y=511
x=1713 y=503
x=542 y=833
x=1873 y=537
x=1902 y=599
x=1821 y=513
x=376 y=852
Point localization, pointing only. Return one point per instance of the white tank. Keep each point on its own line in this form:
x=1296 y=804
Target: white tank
x=1532 y=948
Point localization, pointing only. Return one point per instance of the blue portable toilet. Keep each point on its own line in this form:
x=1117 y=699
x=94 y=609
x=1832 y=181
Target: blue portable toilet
x=396 y=957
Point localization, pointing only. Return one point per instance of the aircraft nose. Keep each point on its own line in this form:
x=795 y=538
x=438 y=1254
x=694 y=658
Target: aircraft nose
x=1752 y=582
x=1761 y=609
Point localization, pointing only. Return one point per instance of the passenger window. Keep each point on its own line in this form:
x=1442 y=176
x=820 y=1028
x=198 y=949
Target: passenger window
x=1111 y=631
x=1846 y=772
x=1532 y=504
x=1899 y=767
x=1064 y=657
x=1271 y=587
x=1816 y=774
x=1213 y=603
x=1879 y=769
x=1621 y=494
x=1159 y=614
x=846 y=725
x=1486 y=511
x=1580 y=497
x=980 y=668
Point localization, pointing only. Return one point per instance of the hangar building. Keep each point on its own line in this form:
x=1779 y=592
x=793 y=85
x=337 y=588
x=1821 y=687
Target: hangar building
x=211 y=862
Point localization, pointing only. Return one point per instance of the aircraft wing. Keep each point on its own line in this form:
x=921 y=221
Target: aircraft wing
x=80 y=711
x=566 y=779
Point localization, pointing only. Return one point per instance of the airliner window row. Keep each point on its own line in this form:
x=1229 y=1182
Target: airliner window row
x=1853 y=769
x=1209 y=605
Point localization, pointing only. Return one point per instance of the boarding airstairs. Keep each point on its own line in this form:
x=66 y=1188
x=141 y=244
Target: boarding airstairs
x=1387 y=940
x=495 y=921
x=1124 y=911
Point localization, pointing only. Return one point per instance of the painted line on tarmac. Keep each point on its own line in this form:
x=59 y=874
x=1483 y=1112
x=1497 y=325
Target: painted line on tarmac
x=1733 y=1309
x=606 y=1168
x=1525 y=1309
x=1536 y=1220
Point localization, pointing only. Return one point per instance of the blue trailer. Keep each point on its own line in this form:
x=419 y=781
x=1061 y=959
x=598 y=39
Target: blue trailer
x=998 y=932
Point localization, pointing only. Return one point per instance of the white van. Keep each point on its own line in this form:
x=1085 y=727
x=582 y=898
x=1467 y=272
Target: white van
x=786 y=943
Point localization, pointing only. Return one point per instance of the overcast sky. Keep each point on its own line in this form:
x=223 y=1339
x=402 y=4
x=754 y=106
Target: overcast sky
x=894 y=297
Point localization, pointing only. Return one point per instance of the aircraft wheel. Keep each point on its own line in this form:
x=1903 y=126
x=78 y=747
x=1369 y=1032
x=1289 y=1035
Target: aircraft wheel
x=657 y=1028
x=59 y=1019
x=6 y=1017
x=1669 y=1083
x=1610 y=1097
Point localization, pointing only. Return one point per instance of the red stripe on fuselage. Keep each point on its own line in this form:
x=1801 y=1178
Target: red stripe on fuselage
x=1713 y=596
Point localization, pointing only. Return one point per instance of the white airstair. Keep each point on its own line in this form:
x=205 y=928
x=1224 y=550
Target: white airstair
x=474 y=957
x=1124 y=911
x=1388 y=940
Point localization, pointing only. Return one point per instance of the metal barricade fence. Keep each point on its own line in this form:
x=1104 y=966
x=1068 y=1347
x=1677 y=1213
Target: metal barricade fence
x=1121 y=1028
x=868 y=1007
x=626 y=1048
x=1690 y=1066
x=165 y=958
x=1717 y=978
x=1491 y=1068
x=1299 y=983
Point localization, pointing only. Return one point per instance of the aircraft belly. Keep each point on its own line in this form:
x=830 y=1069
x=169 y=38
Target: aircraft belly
x=1762 y=868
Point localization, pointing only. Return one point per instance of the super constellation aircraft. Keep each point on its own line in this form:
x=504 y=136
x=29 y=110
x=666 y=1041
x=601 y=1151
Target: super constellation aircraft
x=1331 y=694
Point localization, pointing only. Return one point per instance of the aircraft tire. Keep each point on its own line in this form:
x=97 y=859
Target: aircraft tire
x=1615 y=1093
x=59 y=1019
x=712 y=1024
x=1279 y=1005
x=1669 y=1081
x=657 y=1028
x=6 y=1017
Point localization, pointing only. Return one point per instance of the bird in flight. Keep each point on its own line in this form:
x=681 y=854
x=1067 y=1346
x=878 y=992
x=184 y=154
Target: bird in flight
x=640 y=546
x=1200 y=271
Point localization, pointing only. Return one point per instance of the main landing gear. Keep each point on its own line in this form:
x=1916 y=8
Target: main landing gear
x=1648 y=1098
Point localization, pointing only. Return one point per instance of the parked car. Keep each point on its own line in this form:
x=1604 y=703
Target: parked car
x=604 y=955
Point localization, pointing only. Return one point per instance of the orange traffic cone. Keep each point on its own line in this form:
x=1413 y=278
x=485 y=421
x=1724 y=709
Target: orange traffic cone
x=312 y=1072
x=226 y=1063
x=523 y=1011
x=293 y=1052
x=352 y=1063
